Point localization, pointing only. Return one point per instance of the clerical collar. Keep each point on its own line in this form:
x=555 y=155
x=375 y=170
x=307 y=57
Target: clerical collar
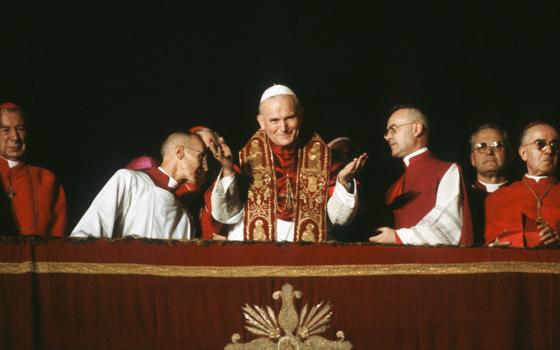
x=407 y=158
x=283 y=150
x=172 y=183
x=491 y=187
x=536 y=178
x=11 y=163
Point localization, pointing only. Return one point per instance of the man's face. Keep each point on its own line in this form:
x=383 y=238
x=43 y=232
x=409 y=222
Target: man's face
x=541 y=162
x=193 y=165
x=12 y=135
x=489 y=160
x=280 y=119
x=400 y=133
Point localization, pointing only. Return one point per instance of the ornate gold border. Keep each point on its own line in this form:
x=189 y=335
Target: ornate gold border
x=279 y=271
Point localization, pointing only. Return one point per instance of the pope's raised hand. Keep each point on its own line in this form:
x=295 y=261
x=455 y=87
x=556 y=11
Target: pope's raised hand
x=352 y=169
x=222 y=154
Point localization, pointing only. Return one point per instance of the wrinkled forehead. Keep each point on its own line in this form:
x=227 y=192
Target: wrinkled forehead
x=9 y=117
x=400 y=116
x=488 y=135
x=541 y=131
x=280 y=104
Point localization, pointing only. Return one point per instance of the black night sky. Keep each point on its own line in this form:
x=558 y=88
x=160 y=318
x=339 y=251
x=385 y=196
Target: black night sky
x=102 y=83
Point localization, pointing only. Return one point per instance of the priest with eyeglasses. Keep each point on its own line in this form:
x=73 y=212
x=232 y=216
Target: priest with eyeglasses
x=527 y=212
x=490 y=155
x=428 y=201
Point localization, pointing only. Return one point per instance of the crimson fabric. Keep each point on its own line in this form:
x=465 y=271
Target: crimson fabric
x=208 y=225
x=285 y=168
x=142 y=162
x=506 y=207
x=8 y=105
x=131 y=311
x=39 y=202
x=160 y=179
x=414 y=194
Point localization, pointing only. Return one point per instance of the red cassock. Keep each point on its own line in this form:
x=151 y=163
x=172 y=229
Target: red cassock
x=511 y=212
x=414 y=196
x=203 y=208
x=38 y=200
x=208 y=225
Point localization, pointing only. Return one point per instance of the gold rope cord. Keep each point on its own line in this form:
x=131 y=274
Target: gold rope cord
x=279 y=271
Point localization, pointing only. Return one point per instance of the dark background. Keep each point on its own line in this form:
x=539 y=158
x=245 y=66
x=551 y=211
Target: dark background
x=104 y=83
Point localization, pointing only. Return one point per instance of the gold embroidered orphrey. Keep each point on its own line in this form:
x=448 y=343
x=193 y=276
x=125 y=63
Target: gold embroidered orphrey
x=311 y=194
x=288 y=331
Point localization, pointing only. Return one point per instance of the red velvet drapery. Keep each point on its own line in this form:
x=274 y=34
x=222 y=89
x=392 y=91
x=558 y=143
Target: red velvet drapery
x=133 y=294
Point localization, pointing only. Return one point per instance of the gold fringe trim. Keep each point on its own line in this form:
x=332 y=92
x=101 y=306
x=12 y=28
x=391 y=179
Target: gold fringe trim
x=280 y=271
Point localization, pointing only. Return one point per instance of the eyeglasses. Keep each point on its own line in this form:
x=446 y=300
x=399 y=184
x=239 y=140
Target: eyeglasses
x=484 y=146
x=541 y=144
x=393 y=128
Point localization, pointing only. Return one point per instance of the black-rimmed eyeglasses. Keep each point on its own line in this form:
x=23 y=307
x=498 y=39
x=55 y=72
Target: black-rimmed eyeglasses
x=541 y=144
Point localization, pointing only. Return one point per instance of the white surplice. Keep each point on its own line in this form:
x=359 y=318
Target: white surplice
x=130 y=204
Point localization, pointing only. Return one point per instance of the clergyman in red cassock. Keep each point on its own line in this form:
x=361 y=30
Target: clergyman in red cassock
x=35 y=198
x=527 y=213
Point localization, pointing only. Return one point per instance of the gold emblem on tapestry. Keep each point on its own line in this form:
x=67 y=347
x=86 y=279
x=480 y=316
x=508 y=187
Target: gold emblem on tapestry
x=288 y=330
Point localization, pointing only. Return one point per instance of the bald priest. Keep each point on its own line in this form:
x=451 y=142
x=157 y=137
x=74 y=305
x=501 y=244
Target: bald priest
x=142 y=203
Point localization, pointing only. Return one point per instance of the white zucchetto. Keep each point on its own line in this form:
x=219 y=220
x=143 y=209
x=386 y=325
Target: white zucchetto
x=276 y=90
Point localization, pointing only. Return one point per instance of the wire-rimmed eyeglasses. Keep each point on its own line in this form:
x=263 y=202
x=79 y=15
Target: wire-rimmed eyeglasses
x=484 y=146
x=393 y=128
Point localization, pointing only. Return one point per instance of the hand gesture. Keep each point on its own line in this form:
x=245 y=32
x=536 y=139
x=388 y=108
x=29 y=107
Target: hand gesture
x=386 y=235
x=352 y=169
x=498 y=243
x=216 y=237
x=222 y=154
x=547 y=234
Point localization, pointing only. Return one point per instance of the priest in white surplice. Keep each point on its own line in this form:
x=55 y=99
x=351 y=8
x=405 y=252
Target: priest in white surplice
x=292 y=193
x=429 y=201
x=142 y=203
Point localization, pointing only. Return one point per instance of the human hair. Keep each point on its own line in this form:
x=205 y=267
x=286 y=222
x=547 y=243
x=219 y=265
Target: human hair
x=529 y=126
x=415 y=111
x=174 y=139
x=505 y=138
